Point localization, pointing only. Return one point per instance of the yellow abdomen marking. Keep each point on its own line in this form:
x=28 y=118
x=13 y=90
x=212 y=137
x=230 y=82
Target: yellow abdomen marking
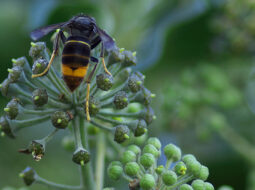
x=79 y=72
x=73 y=41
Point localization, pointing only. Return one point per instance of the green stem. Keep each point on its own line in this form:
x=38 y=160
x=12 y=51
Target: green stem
x=49 y=137
x=28 y=111
x=87 y=170
x=115 y=122
x=113 y=92
x=59 y=105
x=185 y=180
x=104 y=113
x=101 y=147
x=42 y=181
x=101 y=126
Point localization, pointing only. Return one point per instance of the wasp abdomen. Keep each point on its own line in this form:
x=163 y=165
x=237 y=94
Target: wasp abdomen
x=75 y=60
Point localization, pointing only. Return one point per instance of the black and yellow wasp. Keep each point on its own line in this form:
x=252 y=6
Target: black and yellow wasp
x=83 y=36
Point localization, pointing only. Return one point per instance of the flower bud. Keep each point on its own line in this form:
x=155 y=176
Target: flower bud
x=21 y=61
x=5 y=127
x=5 y=86
x=198 y=184
x=172 y=152
x=28 y=176
x=152 y=150
x=60 y=119
x=134 y=83
x=132 y=169
x=225 y=187
x=180 y=168
x=39 y=66
x=121 y=133
x=144 y=96
x=120 y=100
x=37 y=149
x=155 y=142
x=159 y=170
x=94 y=106
x=12 y=109
x=194 y=167
x=68 y=143
x=128 y=156
x=92 y=130
x=81 y=156
x=204 y=173
x=116 y=55
x=14 y=74
x=134 y=107
x=141 y=128
x=37 y=50
x=209 y=186
x=40 y=97
x=147 y=160
x=148 y=182
x=104 y=81
x=115 y=171
x=129 y=60
x=169 y=177
x=188 y=157
x=134 y=148
x=185 y=187
x=148 y=115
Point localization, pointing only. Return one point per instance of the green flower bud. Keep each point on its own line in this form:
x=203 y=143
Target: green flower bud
x=132 y=169
x=116 y=163
x=188 y=157
x=135 y=83
x=14 y=74
x=5 y=127
x=12 y=109
x=115 y=56
x=104 y=81
x=135 y=149
x=144 y=96
x=159 y=170
x=5 y=86
x=128 y=156
x=169 y=177
x=129 y=60
x=39 y=66
x=68 y=143
x=19 y=62
x=141 y=128
x=155 y=142
x=134 y=107
x=40 y=97
x=147 y=160
x=28 y=176
x=121 y=133
x=94 y=106
x=120 y=100
x=204 y=173
x=140 y=140
x=208 y=186
x=225 y=187
x=172 y=152
x=92 y=130
x=115 y=171
x=81 y=156
x=37 y=50
x=60 y=119
x=152 y=150
x=185 y=187
x=148 y=115
x=198 y=185
x=148 y=182
x=194 y=167
x=180 y=168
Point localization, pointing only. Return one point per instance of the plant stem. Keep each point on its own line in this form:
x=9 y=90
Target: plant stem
x=100 y=161
x=40 y=180
x=86 y=171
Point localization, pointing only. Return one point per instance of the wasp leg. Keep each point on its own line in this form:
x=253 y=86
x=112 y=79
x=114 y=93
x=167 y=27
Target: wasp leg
x=53 y=55
x=88 y=91
x=93 y=59
x=102 y=57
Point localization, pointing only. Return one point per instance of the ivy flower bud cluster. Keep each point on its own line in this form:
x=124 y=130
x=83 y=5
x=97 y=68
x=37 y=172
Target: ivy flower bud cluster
x=139 y=167
x=46 y=100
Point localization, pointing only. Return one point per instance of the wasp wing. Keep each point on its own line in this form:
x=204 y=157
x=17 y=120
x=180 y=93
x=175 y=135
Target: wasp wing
x=106 y=39
x=40 y=32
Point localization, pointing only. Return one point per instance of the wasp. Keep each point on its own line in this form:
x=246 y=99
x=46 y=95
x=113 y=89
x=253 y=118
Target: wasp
x=83 y=36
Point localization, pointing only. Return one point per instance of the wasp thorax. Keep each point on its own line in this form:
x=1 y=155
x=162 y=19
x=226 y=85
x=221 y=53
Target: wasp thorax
x=104 y=81
x=60 y=119
x=40 y=97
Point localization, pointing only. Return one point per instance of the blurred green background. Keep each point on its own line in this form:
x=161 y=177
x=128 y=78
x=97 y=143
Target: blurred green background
x=197 y=56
